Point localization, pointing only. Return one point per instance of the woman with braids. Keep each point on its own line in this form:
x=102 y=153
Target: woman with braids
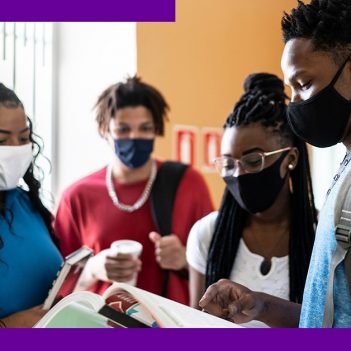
x=263 y=233
x=316 y=62
x=29 y=259
x=120 y=202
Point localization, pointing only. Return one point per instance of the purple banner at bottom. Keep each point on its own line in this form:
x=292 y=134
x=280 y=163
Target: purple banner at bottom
x=175 y=339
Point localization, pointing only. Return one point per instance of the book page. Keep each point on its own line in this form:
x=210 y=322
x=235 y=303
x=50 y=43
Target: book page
x=85 y=309
x=122 y=301
x=171 y=314
x=78 y=310
x=77 y=315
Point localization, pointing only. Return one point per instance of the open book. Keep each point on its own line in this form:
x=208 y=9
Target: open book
x=123 y=305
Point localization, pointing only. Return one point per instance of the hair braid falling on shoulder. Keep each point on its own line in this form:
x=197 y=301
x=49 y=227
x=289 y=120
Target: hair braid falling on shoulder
x=263 y=102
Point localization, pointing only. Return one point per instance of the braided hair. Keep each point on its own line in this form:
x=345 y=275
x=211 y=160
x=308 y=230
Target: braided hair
x=327 y=23
x=264 y=102
x=9 y=99
x=131 y=93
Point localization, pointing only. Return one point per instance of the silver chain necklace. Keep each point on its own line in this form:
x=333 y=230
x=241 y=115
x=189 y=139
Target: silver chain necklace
x=143 y=197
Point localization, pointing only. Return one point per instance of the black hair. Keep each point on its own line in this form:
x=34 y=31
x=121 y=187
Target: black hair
x=264 y=102
x=9 y=99
x=131 y=93
x=326 y=22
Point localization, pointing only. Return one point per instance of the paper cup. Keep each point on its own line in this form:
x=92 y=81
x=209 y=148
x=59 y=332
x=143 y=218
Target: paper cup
x=127 y=247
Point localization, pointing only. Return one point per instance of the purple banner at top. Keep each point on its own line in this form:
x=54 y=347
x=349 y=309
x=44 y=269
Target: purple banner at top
x=88 y=11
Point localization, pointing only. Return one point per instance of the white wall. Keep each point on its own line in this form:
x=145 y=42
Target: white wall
x=88 y=58
x=325 y=164
x=26 y=67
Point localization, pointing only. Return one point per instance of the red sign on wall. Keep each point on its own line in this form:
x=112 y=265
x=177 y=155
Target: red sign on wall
x=185 y=144
x=211 y=141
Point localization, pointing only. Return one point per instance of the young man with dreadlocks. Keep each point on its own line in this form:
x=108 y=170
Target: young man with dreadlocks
x=29 y=259
x=317 y=66
x=262 y=236
x=115 y=202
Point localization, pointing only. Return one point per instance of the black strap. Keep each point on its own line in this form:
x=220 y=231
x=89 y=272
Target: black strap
x=162 y=201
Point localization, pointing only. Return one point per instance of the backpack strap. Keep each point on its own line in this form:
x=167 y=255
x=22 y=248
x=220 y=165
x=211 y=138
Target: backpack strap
x=342 y=251
x=163 y=196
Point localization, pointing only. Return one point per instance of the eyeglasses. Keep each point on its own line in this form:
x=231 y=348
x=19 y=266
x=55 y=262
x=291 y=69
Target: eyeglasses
x=250 y=163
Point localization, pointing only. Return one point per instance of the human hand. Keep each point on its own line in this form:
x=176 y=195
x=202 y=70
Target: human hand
x=232 y=301
x=110 y=267
x=24 y=319
x=169 y=251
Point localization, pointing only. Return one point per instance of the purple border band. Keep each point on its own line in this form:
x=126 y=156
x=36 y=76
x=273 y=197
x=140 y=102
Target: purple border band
x=165 y=339
x=88 y=11
x=175 y=339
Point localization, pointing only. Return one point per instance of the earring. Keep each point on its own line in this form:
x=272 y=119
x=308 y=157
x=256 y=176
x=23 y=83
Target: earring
x=291 y=166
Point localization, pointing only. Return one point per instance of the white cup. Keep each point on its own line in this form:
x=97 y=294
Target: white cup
x=131 y=247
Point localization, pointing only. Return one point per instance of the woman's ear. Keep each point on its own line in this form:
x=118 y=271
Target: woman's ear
x=293 y=158
x=289 y=162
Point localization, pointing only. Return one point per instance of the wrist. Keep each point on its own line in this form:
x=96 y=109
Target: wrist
x=3 y=323
x=182 y=273
x=262 y=305
x=184 y=265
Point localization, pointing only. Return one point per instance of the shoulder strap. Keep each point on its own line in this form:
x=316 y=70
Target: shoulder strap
x=163 y=194
x=162 y=200
x=343 y=245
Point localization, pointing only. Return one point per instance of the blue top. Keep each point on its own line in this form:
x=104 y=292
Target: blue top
x=318 y=273
x=29 y=260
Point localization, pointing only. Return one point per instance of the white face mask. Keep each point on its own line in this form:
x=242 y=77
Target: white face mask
x=14 y=162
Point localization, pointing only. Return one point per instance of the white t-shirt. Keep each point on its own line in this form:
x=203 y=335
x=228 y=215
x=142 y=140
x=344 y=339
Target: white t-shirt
x=246 y=270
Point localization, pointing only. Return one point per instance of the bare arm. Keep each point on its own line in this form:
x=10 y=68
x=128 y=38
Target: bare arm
x=279 y=313
x=239 y=304
x=196 y=287
x=23 y=319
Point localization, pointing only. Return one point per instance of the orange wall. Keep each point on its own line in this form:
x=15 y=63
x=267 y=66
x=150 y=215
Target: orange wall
x=200 y=61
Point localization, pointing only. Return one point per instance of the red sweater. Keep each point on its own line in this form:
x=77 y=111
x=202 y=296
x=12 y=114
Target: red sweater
x=87 y=216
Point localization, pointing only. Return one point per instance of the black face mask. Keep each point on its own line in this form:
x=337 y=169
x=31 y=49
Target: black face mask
x=256 y=192
x=321 y=120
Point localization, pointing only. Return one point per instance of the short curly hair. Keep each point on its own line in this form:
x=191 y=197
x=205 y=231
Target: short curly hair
x=131 y=93
x=326 y=22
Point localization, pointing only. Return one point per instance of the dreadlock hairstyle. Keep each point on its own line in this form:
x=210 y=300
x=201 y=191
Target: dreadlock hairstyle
x=131 y=93
x=9 y=99
x=326 y=22
x=264 y=102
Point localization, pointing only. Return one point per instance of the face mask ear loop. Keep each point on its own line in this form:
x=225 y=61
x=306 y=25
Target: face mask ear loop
x=338 y=73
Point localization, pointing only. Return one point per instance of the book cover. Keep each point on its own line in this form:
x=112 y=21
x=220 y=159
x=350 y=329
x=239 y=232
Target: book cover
x=68 y=275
